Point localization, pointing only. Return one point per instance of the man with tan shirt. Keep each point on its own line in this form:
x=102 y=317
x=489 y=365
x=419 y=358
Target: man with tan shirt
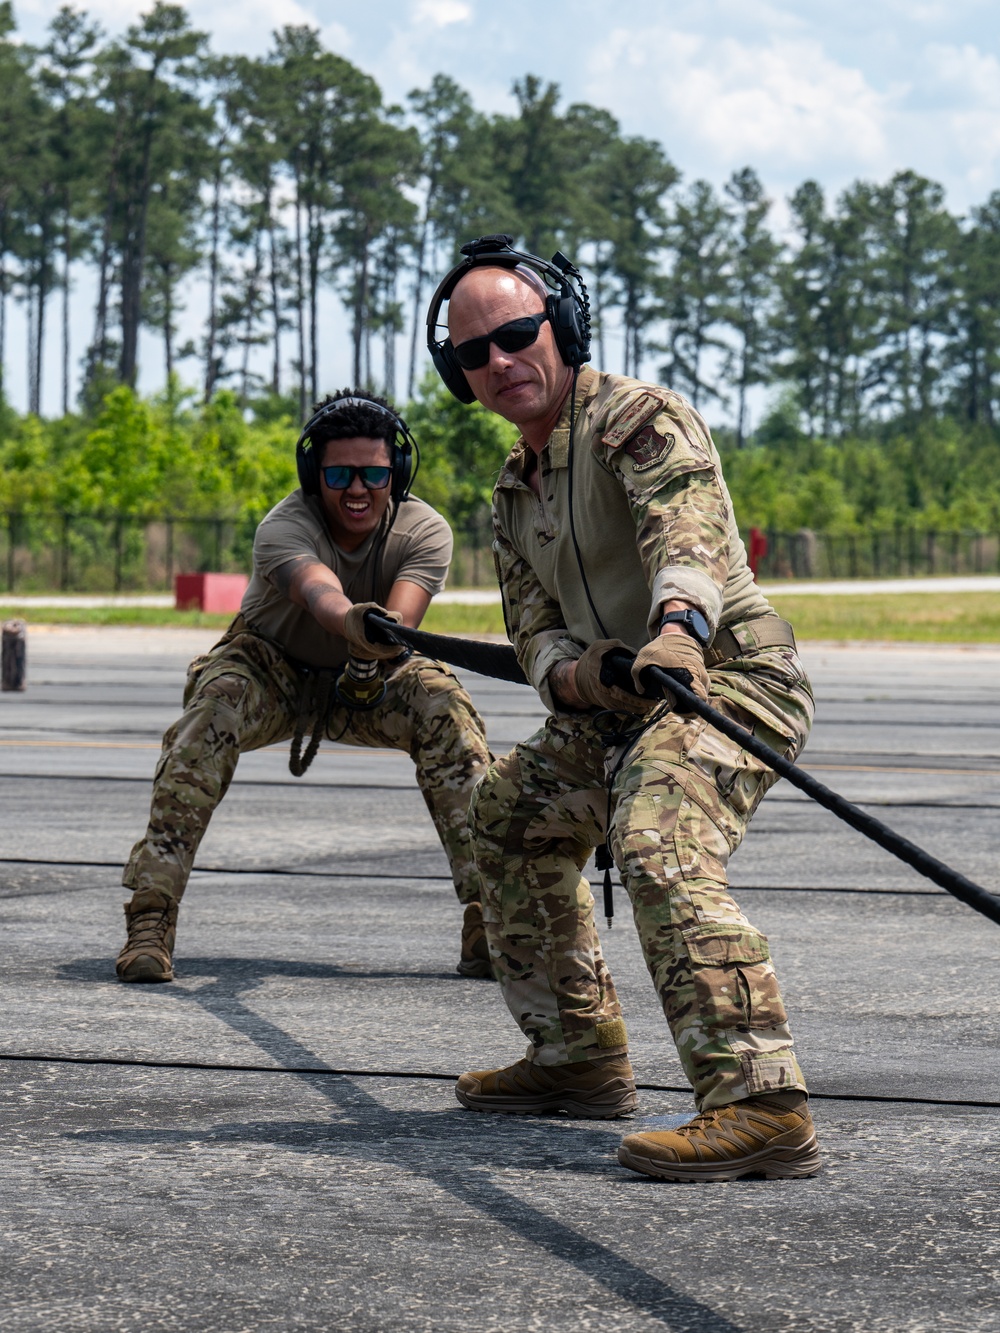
x=613 y=527
x=351 y=538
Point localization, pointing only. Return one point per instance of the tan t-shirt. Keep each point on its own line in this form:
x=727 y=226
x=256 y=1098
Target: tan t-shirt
x=418 y=549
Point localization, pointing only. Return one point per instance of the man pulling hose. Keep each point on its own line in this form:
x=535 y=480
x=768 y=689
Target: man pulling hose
x=613 y=527
x=350 y=539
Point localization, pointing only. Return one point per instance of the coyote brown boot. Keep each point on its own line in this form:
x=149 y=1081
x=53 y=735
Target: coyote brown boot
x=770 y=1136
x=147 y=954
x=475 y=959
x=597 y=1089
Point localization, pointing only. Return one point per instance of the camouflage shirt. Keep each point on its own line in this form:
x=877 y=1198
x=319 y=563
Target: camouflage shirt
x=652 y=517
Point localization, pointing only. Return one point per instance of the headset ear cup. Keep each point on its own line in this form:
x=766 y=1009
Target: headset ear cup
x=451 y=372
x=307 y=467
x=572 y=340
x=402 y=470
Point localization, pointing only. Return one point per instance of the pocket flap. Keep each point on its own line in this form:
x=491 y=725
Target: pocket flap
x=715 y=945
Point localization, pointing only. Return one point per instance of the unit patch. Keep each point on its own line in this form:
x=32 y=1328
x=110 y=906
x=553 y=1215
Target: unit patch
x=633 y=415
x=647 y=448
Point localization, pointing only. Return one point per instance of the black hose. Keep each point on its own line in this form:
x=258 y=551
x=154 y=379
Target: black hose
x=498 y=660
x=929 y=866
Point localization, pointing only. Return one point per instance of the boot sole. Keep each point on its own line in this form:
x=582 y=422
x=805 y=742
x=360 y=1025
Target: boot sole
x=478 y=968
x=575 y=1105
x=144 y=970
x=773 y=1163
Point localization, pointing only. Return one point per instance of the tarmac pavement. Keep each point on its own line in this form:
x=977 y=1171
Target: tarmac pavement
x=141 y=1187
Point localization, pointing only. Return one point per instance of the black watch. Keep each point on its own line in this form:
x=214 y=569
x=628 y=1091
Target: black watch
x=693 y=621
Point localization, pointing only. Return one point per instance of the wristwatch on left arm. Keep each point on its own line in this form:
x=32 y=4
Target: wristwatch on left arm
x=693 y=621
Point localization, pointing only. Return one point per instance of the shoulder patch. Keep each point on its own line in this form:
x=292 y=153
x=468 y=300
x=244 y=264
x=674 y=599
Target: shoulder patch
x=633 y=415
x=647 y=448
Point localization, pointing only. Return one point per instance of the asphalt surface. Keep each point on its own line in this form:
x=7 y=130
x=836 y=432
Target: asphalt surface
x=140 y=1189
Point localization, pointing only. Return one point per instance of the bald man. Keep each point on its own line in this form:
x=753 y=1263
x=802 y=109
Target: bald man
x=613 y=528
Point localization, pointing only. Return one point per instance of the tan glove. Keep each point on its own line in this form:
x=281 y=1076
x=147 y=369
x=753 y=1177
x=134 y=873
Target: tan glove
x=358 y=641
x=595 y=692
x=672 y=652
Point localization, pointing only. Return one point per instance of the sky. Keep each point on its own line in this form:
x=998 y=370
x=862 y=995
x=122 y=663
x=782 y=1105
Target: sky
x=828 y=91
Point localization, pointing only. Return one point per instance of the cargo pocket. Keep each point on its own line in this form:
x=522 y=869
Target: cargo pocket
x=733 y=978
x=229 y=688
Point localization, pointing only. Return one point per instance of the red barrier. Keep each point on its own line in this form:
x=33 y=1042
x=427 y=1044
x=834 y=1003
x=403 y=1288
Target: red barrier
x=221 y=593
x=758 y=549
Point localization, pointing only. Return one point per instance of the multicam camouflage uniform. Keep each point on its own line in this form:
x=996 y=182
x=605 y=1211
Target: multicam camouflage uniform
x=245 y=694
x=654 y=522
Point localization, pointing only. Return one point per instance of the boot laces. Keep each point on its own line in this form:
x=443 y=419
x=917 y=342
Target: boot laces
x=149 y=926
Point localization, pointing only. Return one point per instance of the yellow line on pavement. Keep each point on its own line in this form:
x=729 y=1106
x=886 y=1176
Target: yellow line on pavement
x=357 y=752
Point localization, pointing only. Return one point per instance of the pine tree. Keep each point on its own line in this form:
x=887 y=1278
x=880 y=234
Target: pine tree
x=753 y=260
x=698 y=291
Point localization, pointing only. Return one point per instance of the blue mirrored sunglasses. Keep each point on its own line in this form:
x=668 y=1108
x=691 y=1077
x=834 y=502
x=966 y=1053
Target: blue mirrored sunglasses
x=340 y=475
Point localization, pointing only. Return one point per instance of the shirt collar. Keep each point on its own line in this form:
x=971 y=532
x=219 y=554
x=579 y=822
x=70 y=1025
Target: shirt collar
x=558 y=442
x=557 y=445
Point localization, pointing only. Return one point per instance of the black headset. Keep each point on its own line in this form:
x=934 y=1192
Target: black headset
x=568 y=308
x=402 y=447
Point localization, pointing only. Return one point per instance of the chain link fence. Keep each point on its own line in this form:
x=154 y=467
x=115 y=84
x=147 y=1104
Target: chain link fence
x=124 y=553
x=899 y=552
x=42 y=552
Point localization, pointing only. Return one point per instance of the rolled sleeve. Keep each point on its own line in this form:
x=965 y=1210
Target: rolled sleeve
x=534 y=621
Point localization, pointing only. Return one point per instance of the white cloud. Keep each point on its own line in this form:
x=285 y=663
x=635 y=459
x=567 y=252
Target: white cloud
x=441 y=13
x=965 y=72
x=783 y=103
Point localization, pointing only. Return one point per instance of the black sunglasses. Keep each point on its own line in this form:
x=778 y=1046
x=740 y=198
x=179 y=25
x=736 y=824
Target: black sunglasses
x=341 y=475
x=512 y=337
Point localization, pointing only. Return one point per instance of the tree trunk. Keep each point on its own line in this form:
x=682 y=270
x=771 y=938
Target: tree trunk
x=134 y=257
x=741 y=410
x=251 y=311
x=213 y=278
x=67 y=261
x=418 y=291
x=275 y=299
x=300 y=303
x=99 y=350
x=168 y=326
x=43 y=296
x=361 y=307
x=32 y=364
x=598 y=316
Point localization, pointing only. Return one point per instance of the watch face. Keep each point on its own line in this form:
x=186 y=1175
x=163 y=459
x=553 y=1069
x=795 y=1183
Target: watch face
x=693 y=621
x=699 y=625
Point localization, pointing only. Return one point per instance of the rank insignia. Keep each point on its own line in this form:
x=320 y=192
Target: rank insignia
x=633 y=415
x=647 y=448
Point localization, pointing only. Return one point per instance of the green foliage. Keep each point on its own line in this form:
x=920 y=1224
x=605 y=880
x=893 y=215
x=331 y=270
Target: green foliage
x=462 y=450
x=943 y=474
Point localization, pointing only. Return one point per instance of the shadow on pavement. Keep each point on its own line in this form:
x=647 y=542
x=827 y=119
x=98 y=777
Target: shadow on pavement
x=251 y=971
x=407 y=1147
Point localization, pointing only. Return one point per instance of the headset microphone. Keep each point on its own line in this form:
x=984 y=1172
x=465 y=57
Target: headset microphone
x=568 y=307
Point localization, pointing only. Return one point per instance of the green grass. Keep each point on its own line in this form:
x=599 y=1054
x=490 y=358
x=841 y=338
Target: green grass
x=969 y=617
x=966 y=617
x=113 y=615
x=452 y=619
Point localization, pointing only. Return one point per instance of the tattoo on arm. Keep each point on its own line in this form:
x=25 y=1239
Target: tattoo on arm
x=284 y=575
x=315 y=594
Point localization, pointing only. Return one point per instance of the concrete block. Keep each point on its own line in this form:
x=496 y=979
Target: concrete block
x=209 y=592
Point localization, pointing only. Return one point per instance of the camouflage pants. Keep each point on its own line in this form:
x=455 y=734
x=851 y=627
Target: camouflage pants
x=680 y=801
x=244 y=695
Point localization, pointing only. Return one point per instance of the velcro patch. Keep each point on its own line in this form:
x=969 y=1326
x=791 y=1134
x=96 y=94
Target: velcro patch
x=633 y=415
x=647 y=448
x=611 y=1034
